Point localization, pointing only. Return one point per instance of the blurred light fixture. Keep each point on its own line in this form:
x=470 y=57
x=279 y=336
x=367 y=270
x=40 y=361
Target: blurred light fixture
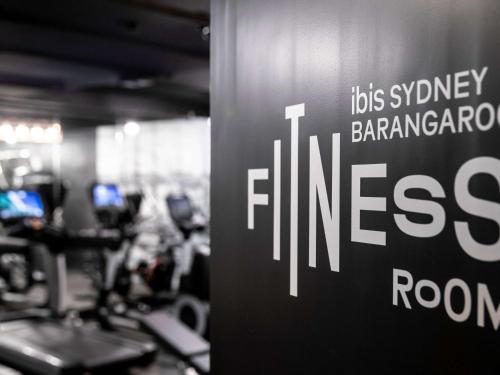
x=205 y=32
x=22 y=132
x=135 y=84
x=37 y=133
x=6 y=130
x=131 y=128
x=13 y=132
x=51 y=134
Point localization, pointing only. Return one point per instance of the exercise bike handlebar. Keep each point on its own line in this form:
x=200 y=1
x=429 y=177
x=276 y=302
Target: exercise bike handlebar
x=59 y=240
x=14 y=245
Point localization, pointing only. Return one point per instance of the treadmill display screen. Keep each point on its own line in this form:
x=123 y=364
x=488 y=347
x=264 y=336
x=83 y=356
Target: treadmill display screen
x=107 y=196
x=180 y=208
x=20 y=204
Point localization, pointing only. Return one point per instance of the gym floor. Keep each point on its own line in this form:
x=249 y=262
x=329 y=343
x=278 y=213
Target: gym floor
x=165 y=364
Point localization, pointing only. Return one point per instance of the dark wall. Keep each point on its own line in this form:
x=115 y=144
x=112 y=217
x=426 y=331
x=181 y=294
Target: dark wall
x=78 y=168
x=343 y=318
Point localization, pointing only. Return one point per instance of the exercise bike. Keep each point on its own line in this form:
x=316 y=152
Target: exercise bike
x=156 y=312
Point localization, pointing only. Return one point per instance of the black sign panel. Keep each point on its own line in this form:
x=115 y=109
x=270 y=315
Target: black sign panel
x=355 y=187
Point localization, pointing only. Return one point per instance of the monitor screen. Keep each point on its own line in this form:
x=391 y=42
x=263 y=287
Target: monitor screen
x=20 y=204
x=180 y=208
x=107 y=196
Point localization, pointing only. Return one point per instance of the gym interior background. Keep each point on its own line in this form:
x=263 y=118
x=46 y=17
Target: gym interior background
x=105 y=167
x=249 y=187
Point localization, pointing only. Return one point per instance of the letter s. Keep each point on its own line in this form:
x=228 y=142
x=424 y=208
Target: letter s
x=431 y=208
x=476 y=206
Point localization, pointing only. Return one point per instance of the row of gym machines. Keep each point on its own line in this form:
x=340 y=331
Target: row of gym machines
x=148 y=297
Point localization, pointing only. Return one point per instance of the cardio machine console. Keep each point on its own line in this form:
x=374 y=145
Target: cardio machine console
x=17 y=205
x=107 y=196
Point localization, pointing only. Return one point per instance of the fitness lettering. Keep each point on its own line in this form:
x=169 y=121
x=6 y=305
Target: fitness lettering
x=403 y=282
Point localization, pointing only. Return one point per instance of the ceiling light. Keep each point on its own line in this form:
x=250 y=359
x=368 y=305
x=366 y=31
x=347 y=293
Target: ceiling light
x=37 y=134
x=132 y=128
x=22 y=132
x=6 y=130
x=31 y=132
x=53 y=134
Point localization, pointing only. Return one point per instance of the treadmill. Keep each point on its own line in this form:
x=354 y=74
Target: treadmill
x=38 y=342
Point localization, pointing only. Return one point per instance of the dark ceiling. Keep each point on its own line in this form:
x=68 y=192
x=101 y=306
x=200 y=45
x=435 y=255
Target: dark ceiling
x=102 y=61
